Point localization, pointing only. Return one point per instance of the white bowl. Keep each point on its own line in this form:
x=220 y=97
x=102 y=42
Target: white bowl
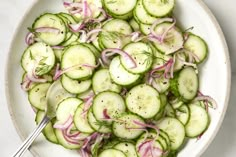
x=215 y=75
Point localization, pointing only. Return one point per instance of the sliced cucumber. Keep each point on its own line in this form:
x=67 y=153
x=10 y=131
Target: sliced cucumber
x=142 y=14
x=145 y=29
x=159 y=8
x=102 y=82
x=173 y=40
x=76 y=56
x=142 y=55
x=81 y=120
x=110 y=102
x=101 y=127
x=62 y=141
x=114 y=34
x=169 y=111
x=37 y=96
x=127 y=148
x=120 y=7
x=58 y=54
x=75 y=86
x=183 y=114
x=146 y=104
x=126 y=128
x=70 y=40
x=120 y=75
x=51 y=21
x=145 y=138
x=161 y=84
x=111 y=153
x=57 y=95
x=198 y=122
x=123 y=17
x=66 y=109
x=134 y=24
x=38 y=57
x=185 y=84
x=198 y=46
x=175 y=130
x=48 y=131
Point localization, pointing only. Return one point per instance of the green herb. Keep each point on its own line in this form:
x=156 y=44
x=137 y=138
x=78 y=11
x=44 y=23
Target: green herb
x=31 y=30
x=31 y=56
x=111 y=2
x=102 y=124
x=42 y=67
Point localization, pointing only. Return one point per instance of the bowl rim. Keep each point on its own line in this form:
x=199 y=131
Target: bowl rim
x=213 y=20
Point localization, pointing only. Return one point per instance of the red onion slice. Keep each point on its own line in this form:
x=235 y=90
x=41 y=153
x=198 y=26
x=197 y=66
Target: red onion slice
x=29 y=39
x=130 y=61
x=157 y=22
x=163 y=36
x=47 y=30
x=105 y=114
x=65 y=125
x=213 y=103
x=76 y=27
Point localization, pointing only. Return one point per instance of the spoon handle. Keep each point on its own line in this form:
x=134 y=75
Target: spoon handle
x=27 y=143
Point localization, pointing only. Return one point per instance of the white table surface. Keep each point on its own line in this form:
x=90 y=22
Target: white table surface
x=223 y=145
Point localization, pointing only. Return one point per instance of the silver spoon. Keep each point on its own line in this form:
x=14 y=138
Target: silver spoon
x=54 y=95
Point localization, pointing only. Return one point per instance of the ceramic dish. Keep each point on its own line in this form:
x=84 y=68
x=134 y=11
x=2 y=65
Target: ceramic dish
x=214 y=75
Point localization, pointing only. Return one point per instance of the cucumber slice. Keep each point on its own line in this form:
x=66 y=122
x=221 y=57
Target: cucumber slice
x=62 y=141
x=75 y=56
x=198 y=46
x=185 y=85
x=127 y=148
x=161 y=84
x=159 y=8
x=145 y=29
x=70 y=40
x=37 y=96
x=142 y=55
x=93 y=49
x=85 y=94
x=112 y=102
x=125 y=127
x=123 y=17
x=178 y=65
x=66 y=109
x=75 y=86
x=175 y=130
x=114 y=34
x=111 y=153
x=96 y=125
x=142 y=14
x=145 y=138
x=120 y=7
x=169 y=111
x=58 y=54
x=48 y=131
x=81 y=120
x=198 y=122
x=176 y=103
x=134 y=24
x=120 y=75
x=40 y=57
x=53 y=21
x=173 y=40
x=183 y=114
x=58 y=94
x=102 y=82
x=146 y=104
x=96 y=44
